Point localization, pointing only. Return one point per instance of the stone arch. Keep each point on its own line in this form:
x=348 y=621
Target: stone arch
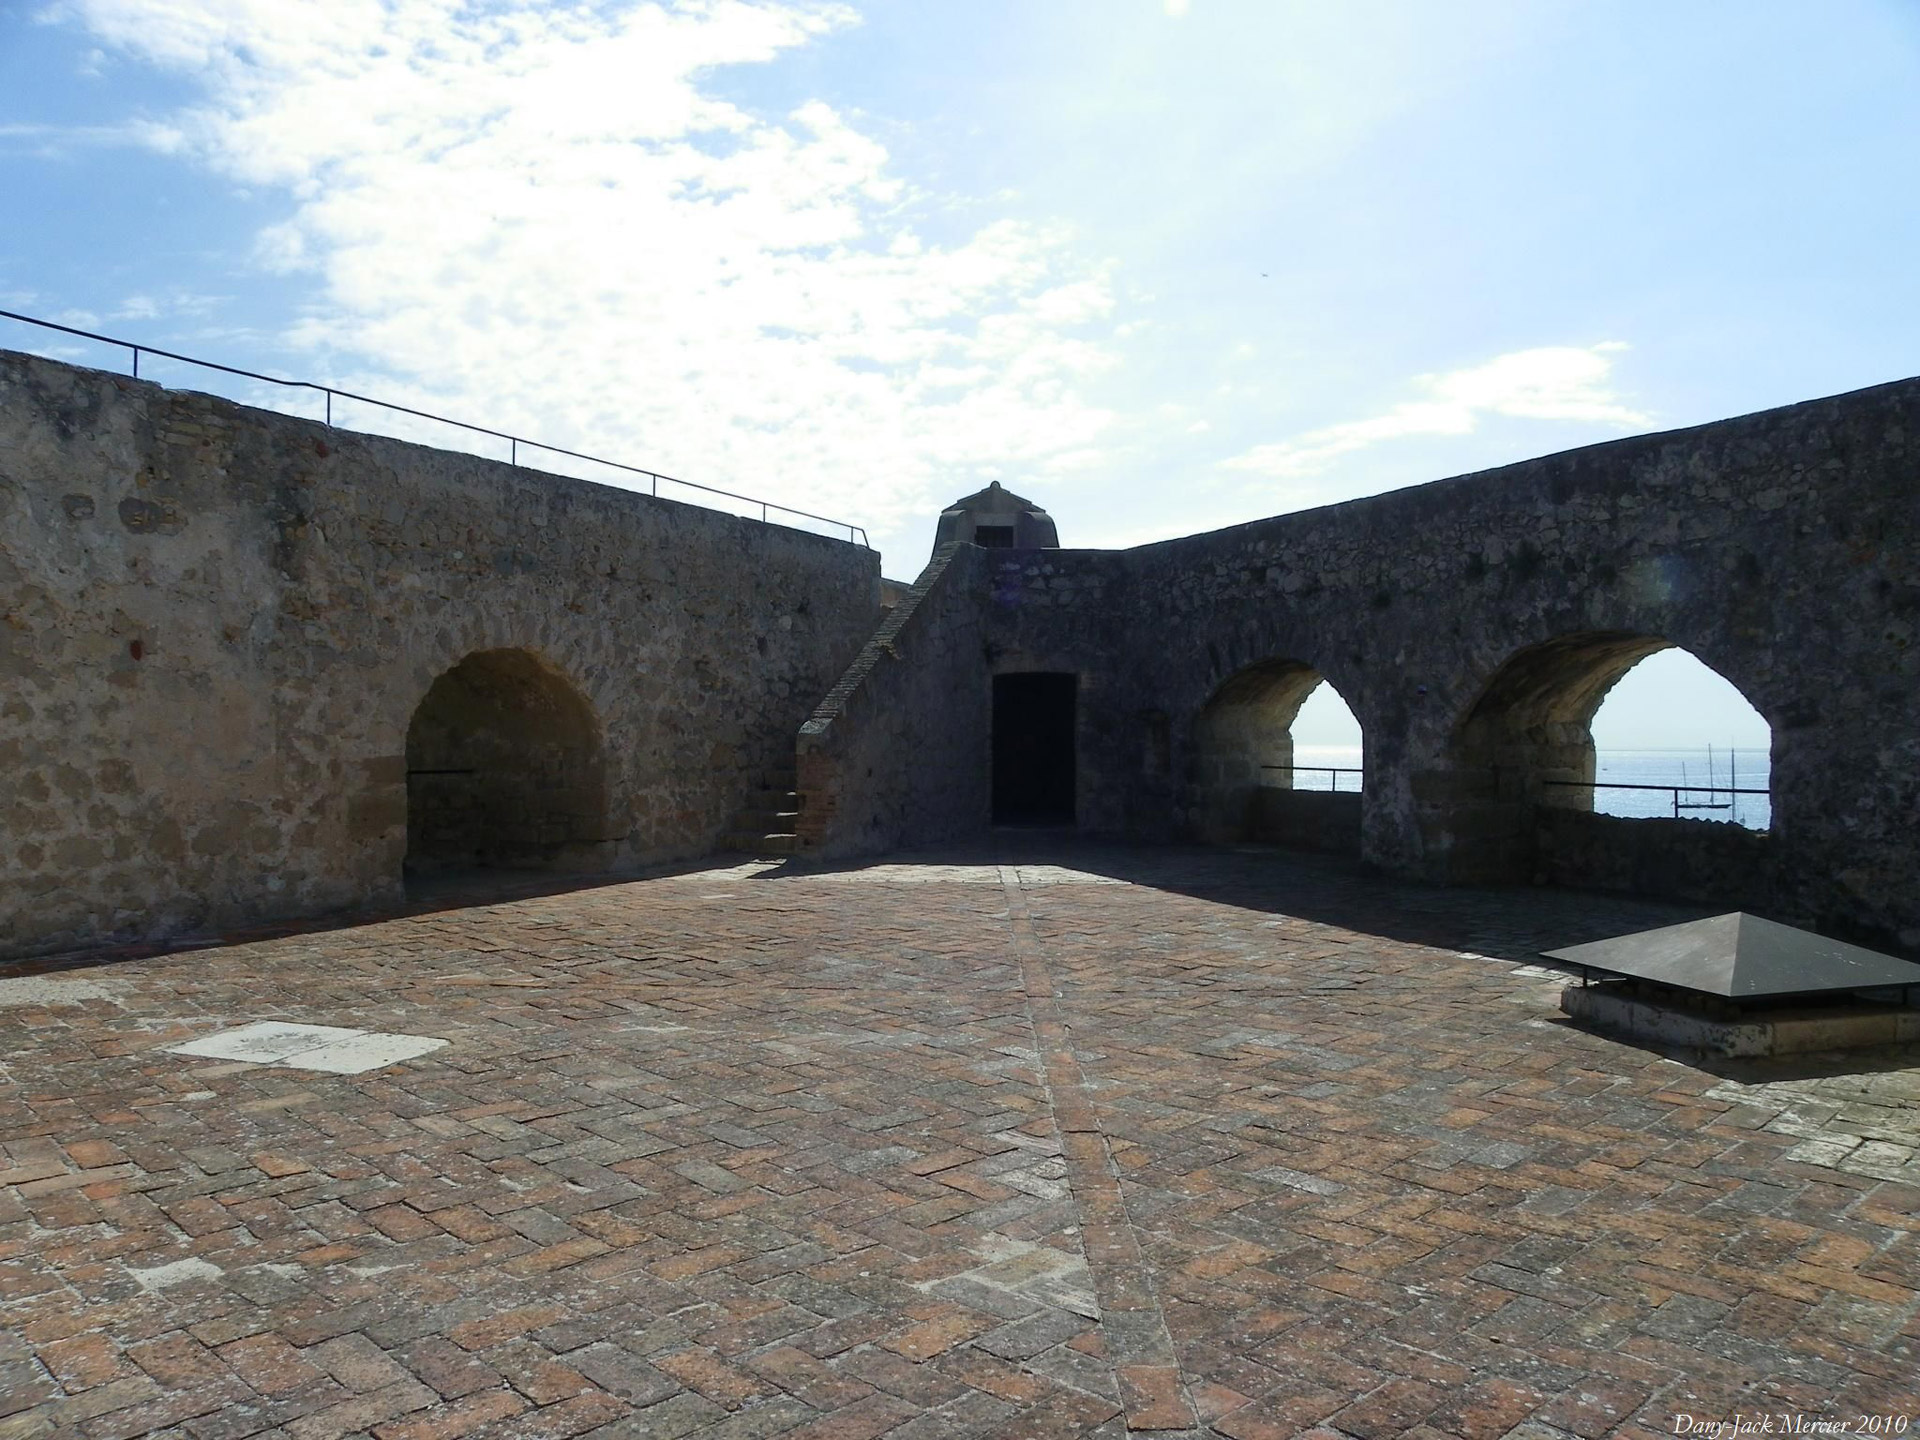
x=506 y=767
x=1674 y=712
x=1243 y=745
x=1526 y=743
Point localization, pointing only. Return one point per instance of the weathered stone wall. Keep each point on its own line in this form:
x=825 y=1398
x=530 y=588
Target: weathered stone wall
x=217 y=626
x=897 y=750
x=1710 y=860
x=1474 y=624
x=217 y=623
x=1307 y=819
x=1072 y=612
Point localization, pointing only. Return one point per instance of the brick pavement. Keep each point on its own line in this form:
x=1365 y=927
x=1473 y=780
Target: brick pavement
x=1054 y=1141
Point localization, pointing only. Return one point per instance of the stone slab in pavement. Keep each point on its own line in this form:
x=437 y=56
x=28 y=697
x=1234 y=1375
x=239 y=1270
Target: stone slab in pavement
x=336 y=1049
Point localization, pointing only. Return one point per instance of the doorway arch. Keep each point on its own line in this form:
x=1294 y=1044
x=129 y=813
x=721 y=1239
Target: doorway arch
x=506 y=768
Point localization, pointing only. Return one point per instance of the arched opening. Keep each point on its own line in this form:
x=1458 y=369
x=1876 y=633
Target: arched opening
x=505 y=768
x=1525 y=753
x=1329 y=752
x=1673 y=721
x=1257 y=766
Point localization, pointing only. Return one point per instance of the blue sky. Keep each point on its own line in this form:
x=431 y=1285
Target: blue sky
x=1162 y=266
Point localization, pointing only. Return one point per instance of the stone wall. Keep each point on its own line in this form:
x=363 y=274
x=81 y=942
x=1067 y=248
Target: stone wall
x=1307 y=819
x=217 y=624
x=897 y=750
x=1714 y=861
x=1474 y=624
x=217 y=628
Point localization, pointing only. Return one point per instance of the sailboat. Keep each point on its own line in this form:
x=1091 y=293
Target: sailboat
x=1713 y=801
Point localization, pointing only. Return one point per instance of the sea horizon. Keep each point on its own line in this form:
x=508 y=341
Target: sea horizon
x=1711 y=772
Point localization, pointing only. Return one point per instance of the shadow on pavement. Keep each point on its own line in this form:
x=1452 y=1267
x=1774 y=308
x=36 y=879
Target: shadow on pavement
x=1511 y=923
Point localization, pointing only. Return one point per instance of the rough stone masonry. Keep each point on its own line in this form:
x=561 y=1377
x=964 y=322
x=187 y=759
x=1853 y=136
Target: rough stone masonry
x=255 y=667
x=1473 y=625
x=227 y=636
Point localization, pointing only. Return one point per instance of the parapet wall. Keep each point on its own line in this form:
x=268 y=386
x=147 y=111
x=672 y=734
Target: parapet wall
x=216 y=623
x=1686 y=859
x=217 y=626
x=1474 y=624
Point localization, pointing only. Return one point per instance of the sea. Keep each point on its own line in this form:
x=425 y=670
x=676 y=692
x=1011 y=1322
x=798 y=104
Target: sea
x=1712 y=775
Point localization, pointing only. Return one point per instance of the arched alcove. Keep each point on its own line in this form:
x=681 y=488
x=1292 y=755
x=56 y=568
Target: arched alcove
x=505 y=768
x=1525 y=750
x=1244 y=752
x=1527 y=738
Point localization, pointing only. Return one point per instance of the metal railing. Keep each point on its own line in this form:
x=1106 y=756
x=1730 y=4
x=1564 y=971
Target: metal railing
x=1336 y=771
x=514 y=442
x=1677 y=792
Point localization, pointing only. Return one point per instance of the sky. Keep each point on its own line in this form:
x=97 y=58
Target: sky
x=1159 y=265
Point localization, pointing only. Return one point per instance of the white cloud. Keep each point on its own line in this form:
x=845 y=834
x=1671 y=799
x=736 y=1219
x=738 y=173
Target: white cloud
x=59 y=140
x=1176 y=8
x=540 y=216
x=1555 y=382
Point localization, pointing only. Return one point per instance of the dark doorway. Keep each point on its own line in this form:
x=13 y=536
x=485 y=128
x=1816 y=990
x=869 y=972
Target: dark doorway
x=994 y=537
x=1033 y=758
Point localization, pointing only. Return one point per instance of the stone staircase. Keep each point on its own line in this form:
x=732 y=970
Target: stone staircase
x=767 y=825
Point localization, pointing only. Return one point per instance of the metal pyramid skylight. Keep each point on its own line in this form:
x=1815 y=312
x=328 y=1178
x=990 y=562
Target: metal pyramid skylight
x=1741 y=957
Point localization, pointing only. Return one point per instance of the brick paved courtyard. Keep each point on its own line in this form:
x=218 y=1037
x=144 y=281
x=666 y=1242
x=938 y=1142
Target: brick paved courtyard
x=1053 y=1141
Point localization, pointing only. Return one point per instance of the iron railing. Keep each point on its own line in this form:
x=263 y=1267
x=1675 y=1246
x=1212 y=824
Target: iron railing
x=514 y=442
x=1677 y=791
x=1336 y=771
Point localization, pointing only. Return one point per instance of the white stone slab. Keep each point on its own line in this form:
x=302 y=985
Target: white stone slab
x=329 y=1049
x=178 y=1272
x=368 y=1050
x=267 y=1042
x=49 y=990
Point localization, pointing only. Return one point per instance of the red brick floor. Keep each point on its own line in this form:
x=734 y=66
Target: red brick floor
x=1042 y=1142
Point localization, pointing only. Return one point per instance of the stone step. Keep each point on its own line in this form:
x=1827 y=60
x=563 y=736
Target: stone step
x=767 y=824
x=758 y=819
x=753 y=843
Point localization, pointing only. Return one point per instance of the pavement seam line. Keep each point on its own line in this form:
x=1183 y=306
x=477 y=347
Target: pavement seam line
x=1139 y=1346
